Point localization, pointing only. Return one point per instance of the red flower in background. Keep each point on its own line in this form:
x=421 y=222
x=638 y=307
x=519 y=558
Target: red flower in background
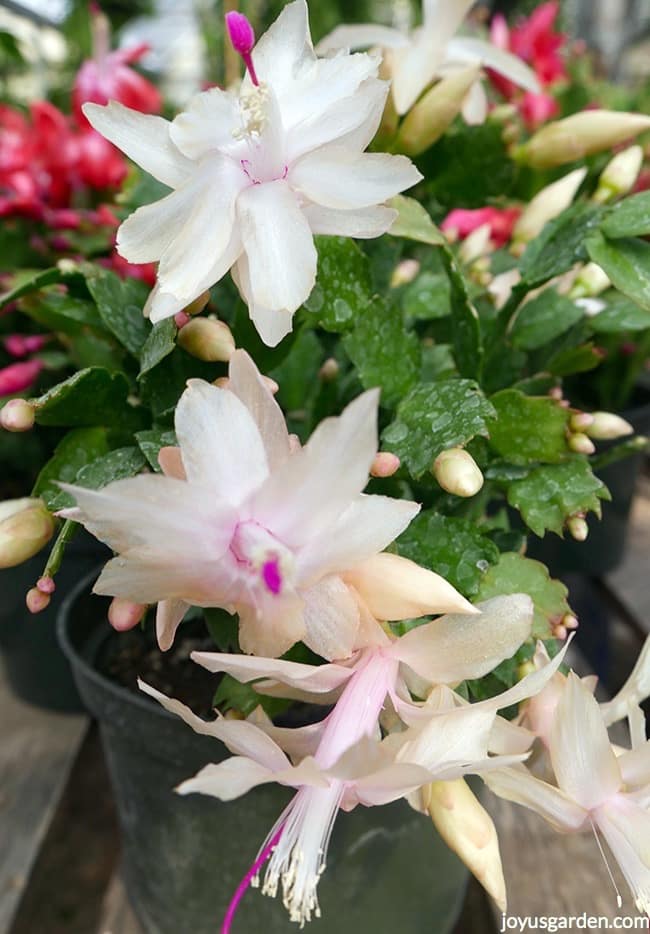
x=464 y=221
x=534 y=40
x=17 y=377
x=107 y=76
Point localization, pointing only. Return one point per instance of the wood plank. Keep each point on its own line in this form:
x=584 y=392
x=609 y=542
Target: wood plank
x=37 y=750
x=117 y=915
x=630 y=582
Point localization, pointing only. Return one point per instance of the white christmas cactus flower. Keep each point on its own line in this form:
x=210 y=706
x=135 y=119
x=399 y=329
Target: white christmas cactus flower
x=596 y=789
x=257 y=173
x=246 y=522
x=415 y=59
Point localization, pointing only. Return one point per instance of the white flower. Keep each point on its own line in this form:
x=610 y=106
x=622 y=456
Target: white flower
x=244 y=522
x=256 y=175
x=416 y=59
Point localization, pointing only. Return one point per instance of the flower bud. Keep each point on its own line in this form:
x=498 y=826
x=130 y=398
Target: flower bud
x=578 y=528
x=181 y=319
x=477 y=244
x=457 y=472
x=580 y=421
x=590 y=281
x=619 y=175
x=404 y=272
x=547 y=204
x=46 y=585
x=17 y=377
x=606 y=426
x=197 y=306
x=433 y=114
x=385 y=464
x=569 y=621
x=17 y=415
x=125 y=614
x=25 y=527
x=580 y=443
x=207 y=339
x=36 y=600
x=581 y=135
x=241 y=32
x=329 y=370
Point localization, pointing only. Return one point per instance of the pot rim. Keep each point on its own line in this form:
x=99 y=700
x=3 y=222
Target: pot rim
x=78 y=661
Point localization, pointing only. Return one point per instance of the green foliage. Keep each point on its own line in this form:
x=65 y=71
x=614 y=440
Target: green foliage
x=552 y=493
x=528 y=428
x=120 y=303
x=151 y=441
x=543 y=319
x=414 y=223
x=160 y=342
x=560 y=245
x=90 y=397
x=620 y=315
x=77 y=450
x=629 y=218
x=627 y=263
x=427 y=298
x=434 y=417
x=343 y=284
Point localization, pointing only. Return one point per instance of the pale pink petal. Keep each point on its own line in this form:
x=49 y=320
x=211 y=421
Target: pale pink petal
x=626 y=827
x=228 y=779
x=248 y=385
x=273 y=627
x=166 y=576
x=389 y=784
x=171 y=463
x=221 y=445
x=297 y=742
x=635 y=690
x=635 y=766
x=331 y=619
x=516 y=784
x=245 y=668
x=169 y=615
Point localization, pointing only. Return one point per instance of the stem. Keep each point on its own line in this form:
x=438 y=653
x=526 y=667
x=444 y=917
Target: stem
x=65 y=536
x=246 y=881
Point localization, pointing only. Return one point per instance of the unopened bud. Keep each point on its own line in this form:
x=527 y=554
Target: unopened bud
x=477 y=244
x=241 y=32
x=560 y=632
x=433 y=114
x=547 y=204
x=569 y=621
x=581 y=135
x=580 y=443
x=207 y=339
x=384 y=465
x=181 y=319
x=619 y=175
x=457 y=472
x=46 y=585
x=197 y=306
x=17 y=415
x=606 y=427
x=578 y=528
x=329 y=370
x=590 y=281
x=404 y=272
x=125 y=614
x=580 y=421
x=36 y=600
x=26 y=526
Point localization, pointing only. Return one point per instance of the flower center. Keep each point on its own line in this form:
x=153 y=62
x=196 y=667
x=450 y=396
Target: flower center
x=268 y=560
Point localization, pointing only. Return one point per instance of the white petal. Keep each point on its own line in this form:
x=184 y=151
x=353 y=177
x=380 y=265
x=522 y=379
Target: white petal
x=550 y=803
x=271 y=627
x=207 y=124
x=626 y=827
x=331 y=619
x=635 y=766
x=445 y=16
x=285 y=49
x=362 y=223
x=221 y=445
x=272 y=324
x=168 y=576
x=279 y=246
x=360 y=36
x=475 y=105
x=143 y=138
x=337 y=178
x=298 y=742
x=635 y=690
x=389 y=784
x=228 y=779
x=583 y=760
x=335 y=460
x=395 y=588
x=414 y=68
x=245 y=668
x=457 y=647
x=148 y=232
x=510 y=66
x=248 y=385
x=169 y=615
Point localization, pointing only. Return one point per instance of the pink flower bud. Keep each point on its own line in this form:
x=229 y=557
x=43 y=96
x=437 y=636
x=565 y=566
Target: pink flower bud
x=17 y=415
x=241 y=32
x=385 y=464
x=181 y=319
x=36 y=600
x=125 y=614
x=46 y=585
x=17 y=377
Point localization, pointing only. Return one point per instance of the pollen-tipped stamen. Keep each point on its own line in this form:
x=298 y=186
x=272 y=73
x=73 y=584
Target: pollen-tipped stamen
x=242 y=37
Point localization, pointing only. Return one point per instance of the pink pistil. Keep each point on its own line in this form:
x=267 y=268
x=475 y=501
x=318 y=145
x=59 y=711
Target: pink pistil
x=242 y=37
x=246 y=881
x=272 y=576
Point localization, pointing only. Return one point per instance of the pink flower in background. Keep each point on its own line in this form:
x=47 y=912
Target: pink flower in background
x=464 y=221
x=21 y=345
x=536 y=109
x=107 y=76
x=17 y=377
x=144 y=271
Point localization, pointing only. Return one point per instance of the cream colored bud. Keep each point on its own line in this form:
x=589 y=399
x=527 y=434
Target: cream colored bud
x=329 y=370
x=476 y=245
x=580 y=443
x=578 y=528
x=569 y=621
x=590 y=281
x=207 y=339
x=606 y=427
x=432 y=115
x=580 y=421
x=197 y=306
x=547 y=204
x=125 y=614
x=581 y=135
x=37 y=601
x=26 y=526
x=385 y=464
x=457 y=472
x=467 y=829
x=619 y=175
x=17 y=415
x=404 y=272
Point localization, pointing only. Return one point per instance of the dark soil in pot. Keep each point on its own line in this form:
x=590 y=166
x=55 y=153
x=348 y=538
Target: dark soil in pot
x=183 y=857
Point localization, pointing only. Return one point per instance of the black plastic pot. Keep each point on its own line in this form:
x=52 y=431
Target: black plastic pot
x=183 y=857
x=36 y=668
x=604 y=549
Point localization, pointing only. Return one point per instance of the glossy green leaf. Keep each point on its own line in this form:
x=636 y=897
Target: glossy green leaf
x=413 y=222
x=620 y=315
x=627 y=263
x=629 y=218
x=543 y=319
x=560 y=245
x=465 y=325
x=434 y=417
x=151 y=441
x=528 y=428
x=63 y=313
x=78 y=449
x=91 y=397
x=427 y=298
x=120 y=303
x=343 y=284
x=160 y=342
x=29 y=280
x=551 y=494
